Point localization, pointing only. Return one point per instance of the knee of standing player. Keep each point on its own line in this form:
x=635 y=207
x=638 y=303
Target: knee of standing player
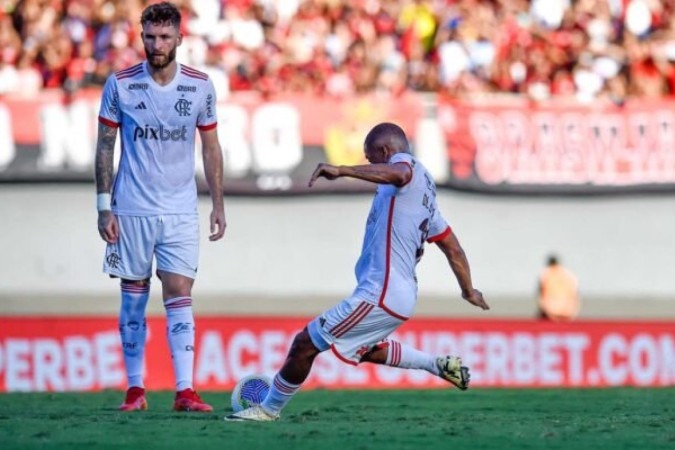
x=138 y=283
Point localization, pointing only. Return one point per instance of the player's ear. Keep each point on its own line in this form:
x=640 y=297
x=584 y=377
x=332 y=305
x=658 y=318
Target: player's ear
x=180 y=39
x=386 y=152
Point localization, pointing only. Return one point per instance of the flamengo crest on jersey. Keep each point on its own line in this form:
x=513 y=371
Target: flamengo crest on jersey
x=401 y=220
x=158 y=124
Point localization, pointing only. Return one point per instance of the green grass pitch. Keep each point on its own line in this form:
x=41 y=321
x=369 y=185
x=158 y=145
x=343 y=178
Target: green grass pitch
x=617 y=418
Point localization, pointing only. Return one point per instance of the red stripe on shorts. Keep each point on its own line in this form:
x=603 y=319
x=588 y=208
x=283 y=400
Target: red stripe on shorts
x=355 y=317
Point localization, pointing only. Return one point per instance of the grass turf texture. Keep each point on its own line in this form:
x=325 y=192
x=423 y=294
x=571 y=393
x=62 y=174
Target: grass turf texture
x=476 y=419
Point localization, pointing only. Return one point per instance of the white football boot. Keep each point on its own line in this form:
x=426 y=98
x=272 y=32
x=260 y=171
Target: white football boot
x=452 y=370
x=253 y=414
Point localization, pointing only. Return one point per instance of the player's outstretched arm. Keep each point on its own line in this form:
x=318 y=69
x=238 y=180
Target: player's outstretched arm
x=456 y=257
x=397 y=174
x=103 y=173
x=213 y=170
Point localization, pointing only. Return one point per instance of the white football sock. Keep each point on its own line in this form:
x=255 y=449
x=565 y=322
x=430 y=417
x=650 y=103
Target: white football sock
x=281 y=392
x=133 y=330
x=407 y=357
x=180 y=332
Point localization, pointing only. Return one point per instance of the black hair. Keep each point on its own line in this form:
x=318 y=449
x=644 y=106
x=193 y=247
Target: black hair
x=163 y=12
x=388 y=134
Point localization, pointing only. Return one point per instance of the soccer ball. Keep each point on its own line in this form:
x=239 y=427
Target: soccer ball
x=249 y=391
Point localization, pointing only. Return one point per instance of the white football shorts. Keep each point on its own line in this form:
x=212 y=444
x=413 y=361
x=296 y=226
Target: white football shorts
x=352 y=328
x=173 y=240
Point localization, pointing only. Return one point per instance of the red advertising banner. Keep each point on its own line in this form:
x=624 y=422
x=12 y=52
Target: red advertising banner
x=84 y=354
x=270 y=145
x=513 y=145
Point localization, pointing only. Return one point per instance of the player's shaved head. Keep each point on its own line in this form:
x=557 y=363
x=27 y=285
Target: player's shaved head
x=387 y=135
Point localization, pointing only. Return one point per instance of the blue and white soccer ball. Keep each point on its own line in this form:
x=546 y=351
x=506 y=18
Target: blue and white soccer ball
x=249 y=391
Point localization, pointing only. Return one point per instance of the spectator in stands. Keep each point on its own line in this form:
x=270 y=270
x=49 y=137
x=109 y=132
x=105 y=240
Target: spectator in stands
x=9 y=78
x=10 y=48
x=588 y=49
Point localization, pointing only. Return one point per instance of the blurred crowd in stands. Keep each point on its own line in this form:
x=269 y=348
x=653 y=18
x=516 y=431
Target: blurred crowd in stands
x=582 y=49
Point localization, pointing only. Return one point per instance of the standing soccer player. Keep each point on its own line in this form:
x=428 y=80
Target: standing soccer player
x=151 y=207
x=404 y=215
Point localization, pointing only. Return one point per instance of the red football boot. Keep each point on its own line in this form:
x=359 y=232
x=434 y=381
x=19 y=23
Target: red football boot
x=189 y=400
x=134 y=400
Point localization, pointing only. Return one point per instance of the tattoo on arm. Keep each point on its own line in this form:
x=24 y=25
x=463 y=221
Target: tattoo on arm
x=105 y=152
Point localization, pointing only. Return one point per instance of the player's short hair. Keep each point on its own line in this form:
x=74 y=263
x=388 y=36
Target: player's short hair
x=389 y=134
x=163 y=12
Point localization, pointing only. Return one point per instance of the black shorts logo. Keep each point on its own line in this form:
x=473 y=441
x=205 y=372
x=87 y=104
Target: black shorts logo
x=113 y=260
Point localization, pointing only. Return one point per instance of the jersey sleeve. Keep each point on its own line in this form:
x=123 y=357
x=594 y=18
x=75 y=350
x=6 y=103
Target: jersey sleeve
x=109 y=113
x=401 y=158
x=207 y=120
x=404 y=158
x=438 y=228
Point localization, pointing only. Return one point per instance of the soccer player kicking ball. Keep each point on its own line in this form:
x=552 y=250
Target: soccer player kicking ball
x=404 y=215
x=151 y=207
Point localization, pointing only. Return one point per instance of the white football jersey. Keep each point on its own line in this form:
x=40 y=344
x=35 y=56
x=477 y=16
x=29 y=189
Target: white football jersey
x=156 y=173
x=401 y=220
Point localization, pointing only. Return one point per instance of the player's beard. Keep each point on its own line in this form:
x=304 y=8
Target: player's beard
x=165 y=60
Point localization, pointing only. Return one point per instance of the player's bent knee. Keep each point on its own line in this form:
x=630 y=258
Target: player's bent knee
x=303 y=345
